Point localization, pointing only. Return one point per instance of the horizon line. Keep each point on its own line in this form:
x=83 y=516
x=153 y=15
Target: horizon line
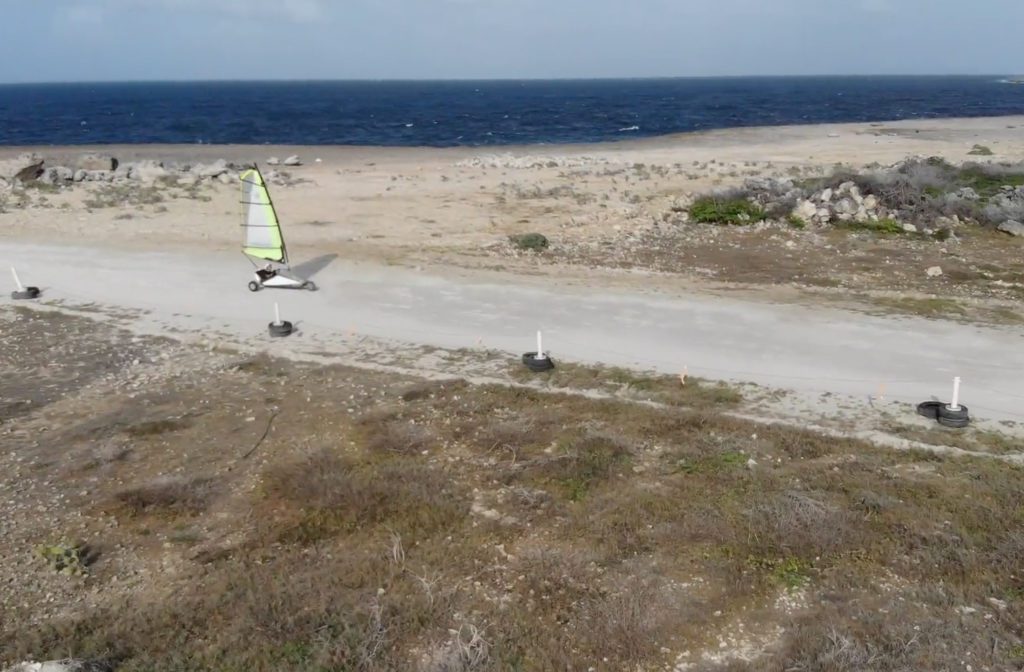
x=383 y=80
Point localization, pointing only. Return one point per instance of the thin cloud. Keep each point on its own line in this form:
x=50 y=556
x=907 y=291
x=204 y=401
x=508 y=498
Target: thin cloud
x=296 y=11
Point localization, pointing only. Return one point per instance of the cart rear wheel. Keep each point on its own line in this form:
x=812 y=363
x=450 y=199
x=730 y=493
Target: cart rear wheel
x=254 y=286
x=310 y=285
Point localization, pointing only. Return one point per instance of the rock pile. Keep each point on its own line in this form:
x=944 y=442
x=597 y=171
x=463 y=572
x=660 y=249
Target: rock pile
x=32 y=168
x=844 y=203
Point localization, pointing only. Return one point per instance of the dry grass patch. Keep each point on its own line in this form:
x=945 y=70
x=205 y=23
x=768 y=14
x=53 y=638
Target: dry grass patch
x=326 y=495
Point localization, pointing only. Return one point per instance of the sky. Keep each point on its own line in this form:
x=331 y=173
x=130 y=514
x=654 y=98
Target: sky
x=117 y=40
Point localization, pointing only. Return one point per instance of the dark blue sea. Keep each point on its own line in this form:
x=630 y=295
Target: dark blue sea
x=448 y=113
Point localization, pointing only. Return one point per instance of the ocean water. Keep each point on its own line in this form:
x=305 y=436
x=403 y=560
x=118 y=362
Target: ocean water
x=443 y=114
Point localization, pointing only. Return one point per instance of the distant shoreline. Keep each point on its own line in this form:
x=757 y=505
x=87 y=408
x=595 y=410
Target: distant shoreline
x=232 y=151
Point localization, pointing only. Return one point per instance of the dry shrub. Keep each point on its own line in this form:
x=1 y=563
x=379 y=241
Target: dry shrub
x=348 y=612
x=889 y=636
x=429 y=389
x=627 y=522
x=800 y=525
x=621 y=626
x=399 y=436
x=579 y=464
x=325 y=495
x=167 y=496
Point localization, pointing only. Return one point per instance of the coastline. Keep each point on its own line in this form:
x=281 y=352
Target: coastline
x=947 y=125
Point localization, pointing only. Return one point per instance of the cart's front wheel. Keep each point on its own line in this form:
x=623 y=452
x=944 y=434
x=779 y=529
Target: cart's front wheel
x=310 y=285
x=254 y=286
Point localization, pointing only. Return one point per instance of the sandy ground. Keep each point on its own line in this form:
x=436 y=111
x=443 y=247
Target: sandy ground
x=422 y=205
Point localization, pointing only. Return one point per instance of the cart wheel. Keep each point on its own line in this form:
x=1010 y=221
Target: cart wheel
x=310 y=285
x=277 y=330
x=254 y=286
x=27 y=293
x=537 y=365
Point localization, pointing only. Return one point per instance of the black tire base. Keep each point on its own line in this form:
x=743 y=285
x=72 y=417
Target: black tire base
x=538 y=365
x=27 y=293
x=929 y=409
x=956 y=419
x=280 y=330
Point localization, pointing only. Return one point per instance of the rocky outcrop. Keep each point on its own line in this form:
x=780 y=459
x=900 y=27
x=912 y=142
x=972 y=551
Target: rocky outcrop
x=91 y=162
x=844 y=203
x=25 y=168
x=293 y=161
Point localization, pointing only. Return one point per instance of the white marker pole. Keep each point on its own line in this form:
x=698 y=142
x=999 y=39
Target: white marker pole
x=540 y=347
x=17 y=280
x=277 y=314
x=955 y=406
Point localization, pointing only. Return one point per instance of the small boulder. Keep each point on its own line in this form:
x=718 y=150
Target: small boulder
x=273 y=161
x=1013 y=228
x=293 y=161
x=97 y=162
x=226 y=178
x=870 y=202
x=846 y=206
x=934 y=272
x=805 y=210
x=966 y=194
x=57 y=175
x=826 y=196
x=80 y=175
x=60 y=666
x=99 y=175
x=909 y=228
x=147 y=171
x=212 y=170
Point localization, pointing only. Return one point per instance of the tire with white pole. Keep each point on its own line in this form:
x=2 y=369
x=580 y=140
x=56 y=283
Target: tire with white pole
x=279 y=328
x=538 y=361
x=954 y=414
x=23 y=293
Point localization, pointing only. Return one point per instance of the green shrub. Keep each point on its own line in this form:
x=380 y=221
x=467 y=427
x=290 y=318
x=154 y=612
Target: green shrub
x=980 y=150
x=734 y=211
x=529 y=241
x=796 y=222
x=887 y=226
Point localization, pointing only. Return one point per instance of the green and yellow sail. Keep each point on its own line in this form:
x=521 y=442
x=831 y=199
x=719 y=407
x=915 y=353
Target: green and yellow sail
x=263 y=239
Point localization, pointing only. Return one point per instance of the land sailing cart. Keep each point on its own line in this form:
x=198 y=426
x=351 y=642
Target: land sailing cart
x=264 y=241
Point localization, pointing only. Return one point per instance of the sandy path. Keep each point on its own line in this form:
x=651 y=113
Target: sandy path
x=806 y=350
